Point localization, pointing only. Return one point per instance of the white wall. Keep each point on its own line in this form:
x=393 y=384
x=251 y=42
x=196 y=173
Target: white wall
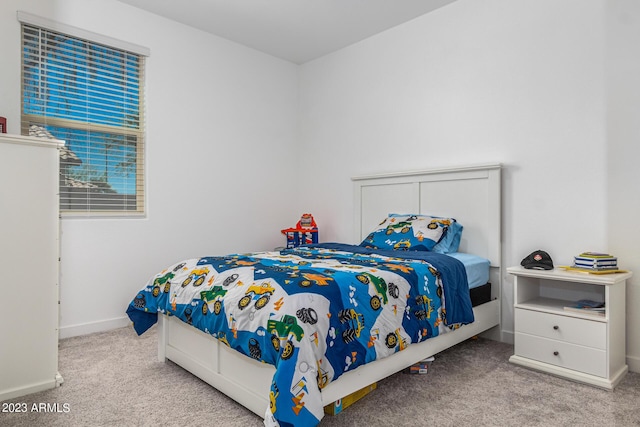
x=221 y=142
x=623 y=153
x=517 y=82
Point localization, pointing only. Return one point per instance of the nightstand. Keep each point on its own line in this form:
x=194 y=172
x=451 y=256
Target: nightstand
x=584 y=347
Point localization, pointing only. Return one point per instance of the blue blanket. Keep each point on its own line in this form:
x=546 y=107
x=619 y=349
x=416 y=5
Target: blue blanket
x=313 y=312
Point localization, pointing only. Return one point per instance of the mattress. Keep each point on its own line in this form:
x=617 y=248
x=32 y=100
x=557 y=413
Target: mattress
x=477 y=268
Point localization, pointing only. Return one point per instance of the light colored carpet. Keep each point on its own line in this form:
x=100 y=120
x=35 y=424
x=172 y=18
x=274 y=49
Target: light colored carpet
x=114 y=379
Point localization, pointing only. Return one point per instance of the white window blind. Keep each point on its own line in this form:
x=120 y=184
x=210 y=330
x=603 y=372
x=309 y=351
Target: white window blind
x=91 y=96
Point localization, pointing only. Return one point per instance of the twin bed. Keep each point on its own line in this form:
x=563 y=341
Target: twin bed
x=286 y=333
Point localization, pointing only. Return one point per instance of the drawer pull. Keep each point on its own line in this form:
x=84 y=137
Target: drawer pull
x=555 y=327
x=555 y=353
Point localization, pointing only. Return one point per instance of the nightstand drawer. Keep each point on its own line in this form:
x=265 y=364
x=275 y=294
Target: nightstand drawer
x=584 y=332
x=570 y=356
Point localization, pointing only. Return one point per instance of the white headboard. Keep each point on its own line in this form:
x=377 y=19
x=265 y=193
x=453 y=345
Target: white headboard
x=470 y=194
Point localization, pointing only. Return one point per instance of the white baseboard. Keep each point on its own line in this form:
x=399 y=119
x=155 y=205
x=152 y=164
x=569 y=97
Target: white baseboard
x=27 y=389
x=634 y=363
x=497 y=334
x=92 y=327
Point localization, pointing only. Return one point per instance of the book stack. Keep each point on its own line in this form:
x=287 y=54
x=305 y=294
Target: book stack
x=421 y=367
x=587 y=306
x=595 y=261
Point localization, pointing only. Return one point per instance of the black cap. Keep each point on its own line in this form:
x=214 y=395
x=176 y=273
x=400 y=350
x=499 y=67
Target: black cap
x=538 y=260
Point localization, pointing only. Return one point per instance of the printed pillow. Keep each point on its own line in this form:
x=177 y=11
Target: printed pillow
x=407 y=232
x=450 y=242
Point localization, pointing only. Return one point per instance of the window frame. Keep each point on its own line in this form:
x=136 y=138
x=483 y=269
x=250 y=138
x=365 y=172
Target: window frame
x=136 y=134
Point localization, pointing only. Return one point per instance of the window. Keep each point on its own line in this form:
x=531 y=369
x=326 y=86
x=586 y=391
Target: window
x=91 y=96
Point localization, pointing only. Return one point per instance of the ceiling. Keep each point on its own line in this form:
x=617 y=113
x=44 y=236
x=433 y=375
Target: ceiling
x=294 y=30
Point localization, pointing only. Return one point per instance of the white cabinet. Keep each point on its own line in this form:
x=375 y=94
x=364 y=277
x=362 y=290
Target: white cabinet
x=29 y=218
x=581 y=346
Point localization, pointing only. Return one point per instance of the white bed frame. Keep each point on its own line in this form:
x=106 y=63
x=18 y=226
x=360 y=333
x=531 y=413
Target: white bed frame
x=469 y=194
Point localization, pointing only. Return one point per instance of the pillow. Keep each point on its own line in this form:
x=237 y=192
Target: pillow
x=451 y=240
x=407 y=232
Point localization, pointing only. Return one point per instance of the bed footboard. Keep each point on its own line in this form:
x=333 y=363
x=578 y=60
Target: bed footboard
x=241 y=378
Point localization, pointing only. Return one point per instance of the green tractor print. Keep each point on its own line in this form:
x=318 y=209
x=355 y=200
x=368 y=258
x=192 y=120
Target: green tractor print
x=281 y=330
x=216 y=295
x=402 y=227
x=163 y=281
x=381 y=288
